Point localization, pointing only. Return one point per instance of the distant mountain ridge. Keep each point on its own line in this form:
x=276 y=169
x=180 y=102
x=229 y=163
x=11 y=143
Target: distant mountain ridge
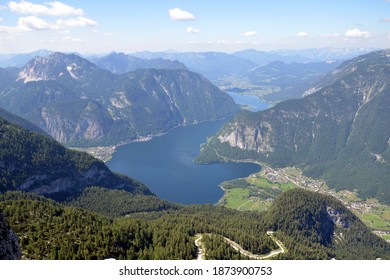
x=80 y=104
x=120 y=63
x=340 y=132
x=289 y=80
x=227 y=70
x=19 y=60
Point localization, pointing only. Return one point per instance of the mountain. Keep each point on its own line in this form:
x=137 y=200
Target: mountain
x=79 y=104
x=213 y=65
x=35 y=163
x=13 y=119
x=288 y=80
x=301 y=55
x=262 y=57
x=7 y=77
x=302 y=217
x=323 y=54
x=120 y=63
x=19 y=60
x=340 y=132
x=9 y=245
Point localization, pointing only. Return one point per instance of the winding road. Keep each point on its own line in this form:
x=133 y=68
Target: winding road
x=237 y=247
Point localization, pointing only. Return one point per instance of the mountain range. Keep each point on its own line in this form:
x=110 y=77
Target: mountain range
x=97 y=214
x=122 y=220
x=120 y=63
x=80 y=104
x=245 y=69
x=284 y=81
x=340 y=132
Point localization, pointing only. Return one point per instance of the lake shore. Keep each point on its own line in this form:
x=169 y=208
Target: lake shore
x=104 y=153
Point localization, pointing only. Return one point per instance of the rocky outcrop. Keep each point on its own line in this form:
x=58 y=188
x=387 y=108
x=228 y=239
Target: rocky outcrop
x=9 y=244
x=248 y=137
x=337 y=217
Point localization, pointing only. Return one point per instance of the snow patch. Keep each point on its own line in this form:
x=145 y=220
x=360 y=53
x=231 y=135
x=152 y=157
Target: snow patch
x=70 y=70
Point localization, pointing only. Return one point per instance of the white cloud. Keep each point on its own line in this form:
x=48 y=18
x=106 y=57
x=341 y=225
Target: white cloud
x=249 y=34
x=75 y=22
x=331 y=35
x=193 y=30
x=178 y=15
x=32 y=23
x=6 y=29
x=303 y=34
x=221 y=41
x=49 y=9
x=385 y=20
x=356 y=33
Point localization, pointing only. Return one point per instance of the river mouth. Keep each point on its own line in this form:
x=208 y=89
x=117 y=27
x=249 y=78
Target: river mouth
x=165 y=164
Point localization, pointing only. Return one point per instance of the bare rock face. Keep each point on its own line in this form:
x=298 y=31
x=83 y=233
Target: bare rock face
x=248 y=137
x=9 y=244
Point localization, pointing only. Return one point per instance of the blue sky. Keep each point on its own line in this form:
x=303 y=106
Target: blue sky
x=192 y=25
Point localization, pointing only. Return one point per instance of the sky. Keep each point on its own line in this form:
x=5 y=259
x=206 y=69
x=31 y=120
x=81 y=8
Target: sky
x=88 y=26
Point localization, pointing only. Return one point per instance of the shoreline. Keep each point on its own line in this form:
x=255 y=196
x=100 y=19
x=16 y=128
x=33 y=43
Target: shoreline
x=104 y=153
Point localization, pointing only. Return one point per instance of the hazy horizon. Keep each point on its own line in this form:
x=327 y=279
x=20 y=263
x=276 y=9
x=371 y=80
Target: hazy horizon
x=197 y=26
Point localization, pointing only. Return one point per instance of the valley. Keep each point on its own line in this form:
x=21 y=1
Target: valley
x=150 y=193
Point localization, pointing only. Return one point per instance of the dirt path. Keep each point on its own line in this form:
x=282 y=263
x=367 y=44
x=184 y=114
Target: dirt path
x=237 y=247
x=239 y=208
x=201 y=250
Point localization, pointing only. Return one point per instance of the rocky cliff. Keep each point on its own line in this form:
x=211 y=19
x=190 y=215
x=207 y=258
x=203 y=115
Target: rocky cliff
x=9 y=244
x=340 y=132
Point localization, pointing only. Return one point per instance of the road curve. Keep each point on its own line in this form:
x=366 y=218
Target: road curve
x=237 y=247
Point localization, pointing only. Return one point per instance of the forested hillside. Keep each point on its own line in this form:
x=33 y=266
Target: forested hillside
x=33 y=162
x=340 y=133
x=311 y=226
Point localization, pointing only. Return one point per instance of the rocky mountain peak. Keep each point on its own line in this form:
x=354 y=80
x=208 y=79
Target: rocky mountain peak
x=54 y=66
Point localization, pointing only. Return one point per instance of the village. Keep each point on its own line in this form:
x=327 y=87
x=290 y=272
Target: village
x=367 y=210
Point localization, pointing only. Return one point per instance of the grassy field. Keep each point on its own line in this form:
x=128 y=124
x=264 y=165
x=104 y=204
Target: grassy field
x=234 y=198
x=375 y=220
x=264 y=183
x=386 y=237
x=239 y=199
x=252 y=193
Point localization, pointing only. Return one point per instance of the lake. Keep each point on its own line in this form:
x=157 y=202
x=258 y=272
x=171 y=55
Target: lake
x=254 y=103
x=165 y=164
